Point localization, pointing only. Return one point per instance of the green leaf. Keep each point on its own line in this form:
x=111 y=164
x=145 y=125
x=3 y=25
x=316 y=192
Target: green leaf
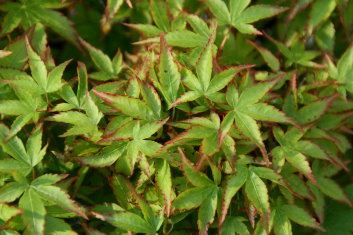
x=311 y=149
x=268 y=57
x=82 y=82
x=101 y=60
x=131 y=222
x=148 y=30
x=197 y=179
x=207 y=212
x=234 y=225
x=253 y=94
x=330 y=188
x=14 y=107
x=222 y=79
x=298 y=161
x=8 y=165
x=14 y=146
x=234 y=183
x=38 y=69
x=204 y=65
x=19 y=123
x=185 y=38
x=159 y=14
x=265 y=112
x=34 y=146
x=192 y=198
x=164 y=183
x=47 y=179
x=258 y=12
x=237 y=7
x=57 y=226
x=58 y=23
x=33 y=212
x=7 y=212
x=11 y=191
x=55 y=76
x=199 y=25
x=257 y=193
x=282 y=224
x=220 y=10
x=320 y=11
x=58 y=196
x=169 y=75
x=151 y=98
x=147 y=130
x=300 y=216
x=106 y=157
x=186 y=97
x=127 y=105
x=249 y=127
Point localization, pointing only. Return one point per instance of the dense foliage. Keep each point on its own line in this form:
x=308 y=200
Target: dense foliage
x=176 y=117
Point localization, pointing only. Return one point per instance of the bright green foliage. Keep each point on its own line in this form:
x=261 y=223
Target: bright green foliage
x=214 y=117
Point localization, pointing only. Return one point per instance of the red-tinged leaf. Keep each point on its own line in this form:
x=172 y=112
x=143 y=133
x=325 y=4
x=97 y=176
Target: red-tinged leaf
x=38 y=69
x=330 y=188
x=220 y=10
x=258 y=12
x=147 y=130
x=106 y=157
x=48 y=179
x=159 y=14
x=222 y=79
x=186 y=97
x=55 y=194
x=4 y=53
x=250 y=128
x=101 y=60
x=194 y=132
x=169 y=75
x=11 y=191
x=298 y=161
x=257 y=193
x=164 y=183
x=311 y=149
x=300 y=216
x=282 y=225
x=207 y=212
x=127 y=105
x=204 y=64
x=314 y=111
x=192 y=198
x=253 y=94
x=267 y=55
x=233 y=184
x=265 y=112
x=197 y=179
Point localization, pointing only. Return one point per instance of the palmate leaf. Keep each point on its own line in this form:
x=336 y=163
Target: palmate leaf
x=28 y=13
x=245 y=109
x=240 y=16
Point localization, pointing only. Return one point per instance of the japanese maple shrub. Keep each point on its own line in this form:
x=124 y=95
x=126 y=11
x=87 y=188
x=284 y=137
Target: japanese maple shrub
x=176 y=117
